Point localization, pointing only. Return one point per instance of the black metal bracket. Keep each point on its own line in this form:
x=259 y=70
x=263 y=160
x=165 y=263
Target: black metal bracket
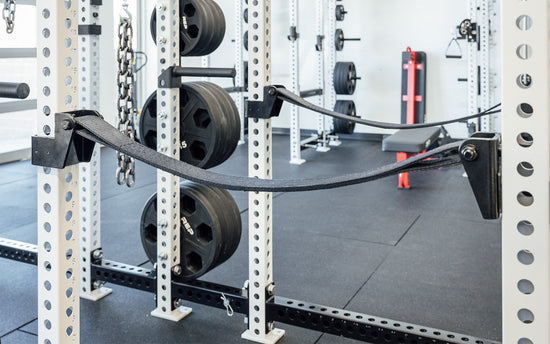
x=167 y=79
x=480 y=157
x=294 y=35
x=66 y=148
x=467 y=30
x=92 y=29
x=319 y=45
x=269 y=107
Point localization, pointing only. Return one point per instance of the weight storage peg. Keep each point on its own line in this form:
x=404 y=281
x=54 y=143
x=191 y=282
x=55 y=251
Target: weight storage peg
x=339 y=39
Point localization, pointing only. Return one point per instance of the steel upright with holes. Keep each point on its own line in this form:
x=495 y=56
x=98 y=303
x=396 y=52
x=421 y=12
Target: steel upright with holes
x=58 y=194
x=526 y=172
x=89 y=182
x=479 y=64
x=320 y=59
x=295 y=142
x=168 y=188
x=239 y=64
x=330 y=63
x=260 y=237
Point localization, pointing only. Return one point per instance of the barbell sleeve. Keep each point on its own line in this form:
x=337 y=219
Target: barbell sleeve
x=14 y=90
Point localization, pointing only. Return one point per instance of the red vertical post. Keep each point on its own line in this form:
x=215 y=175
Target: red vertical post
x=411 y=99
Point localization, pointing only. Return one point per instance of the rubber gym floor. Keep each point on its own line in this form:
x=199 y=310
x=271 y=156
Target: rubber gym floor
x=423 y=256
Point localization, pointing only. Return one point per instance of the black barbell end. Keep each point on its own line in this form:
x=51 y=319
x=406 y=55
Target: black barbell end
x=14 y=90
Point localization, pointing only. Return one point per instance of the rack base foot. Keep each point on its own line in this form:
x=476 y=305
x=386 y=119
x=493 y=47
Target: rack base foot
x=96 y=294
x=175 y=316
x=335 y=143
x=297 y=161
x=270 y=338
x=323 y=149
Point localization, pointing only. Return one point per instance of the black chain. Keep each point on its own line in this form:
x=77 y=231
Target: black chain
x=125 y=173
x=8 y=13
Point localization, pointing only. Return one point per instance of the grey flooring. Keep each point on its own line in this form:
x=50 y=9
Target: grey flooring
x=423 y=256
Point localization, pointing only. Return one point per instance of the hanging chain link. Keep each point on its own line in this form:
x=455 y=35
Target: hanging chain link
x=125 y=173
x=8 y=13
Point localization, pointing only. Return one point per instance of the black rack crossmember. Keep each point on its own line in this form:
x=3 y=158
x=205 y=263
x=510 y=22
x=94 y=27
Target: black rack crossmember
x=340 y=322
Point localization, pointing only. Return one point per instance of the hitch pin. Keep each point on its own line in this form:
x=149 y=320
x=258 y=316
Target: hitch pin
x=227 y=305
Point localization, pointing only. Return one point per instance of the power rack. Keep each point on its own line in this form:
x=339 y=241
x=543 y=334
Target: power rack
x=325 y=61
x=60 y=260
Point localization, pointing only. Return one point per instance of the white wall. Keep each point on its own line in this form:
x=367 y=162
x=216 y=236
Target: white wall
x=386 y=28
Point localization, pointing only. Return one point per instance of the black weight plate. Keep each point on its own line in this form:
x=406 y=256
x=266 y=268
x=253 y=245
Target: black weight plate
x=206 y=30
x=209 y=198
x=226 y=148
x=340 y=13
x=230 y=112
x=245 y=15
x=202 y=126
x=245 y=40
x=231 y=131
x=148 y=122
x=346 y=107
x=219 y=25
x=200 y=238
x=196 y=34
x=339 y=39
x=214 y=27
x=232 y=227
x=345 y=78
x=218 y=110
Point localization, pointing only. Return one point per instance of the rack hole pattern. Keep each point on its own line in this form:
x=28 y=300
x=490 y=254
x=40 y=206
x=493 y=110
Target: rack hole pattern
x=58 y=209
x=168 y=140
x=525 y=171
x=260 y=222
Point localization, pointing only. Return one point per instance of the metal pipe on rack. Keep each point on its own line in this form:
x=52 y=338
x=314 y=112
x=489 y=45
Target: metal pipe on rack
x=205 y=72
x=311 y=93
x=14 y=90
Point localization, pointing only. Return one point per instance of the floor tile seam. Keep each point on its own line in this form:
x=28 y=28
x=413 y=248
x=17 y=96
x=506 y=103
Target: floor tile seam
x=407 y=230
x=18 y=328
x=358 y=290
x=354 y=239
x=368 y=278
x=27 y=332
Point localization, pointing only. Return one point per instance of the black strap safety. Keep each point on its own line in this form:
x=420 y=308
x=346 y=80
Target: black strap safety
x=296 y=100
x=97 y=130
